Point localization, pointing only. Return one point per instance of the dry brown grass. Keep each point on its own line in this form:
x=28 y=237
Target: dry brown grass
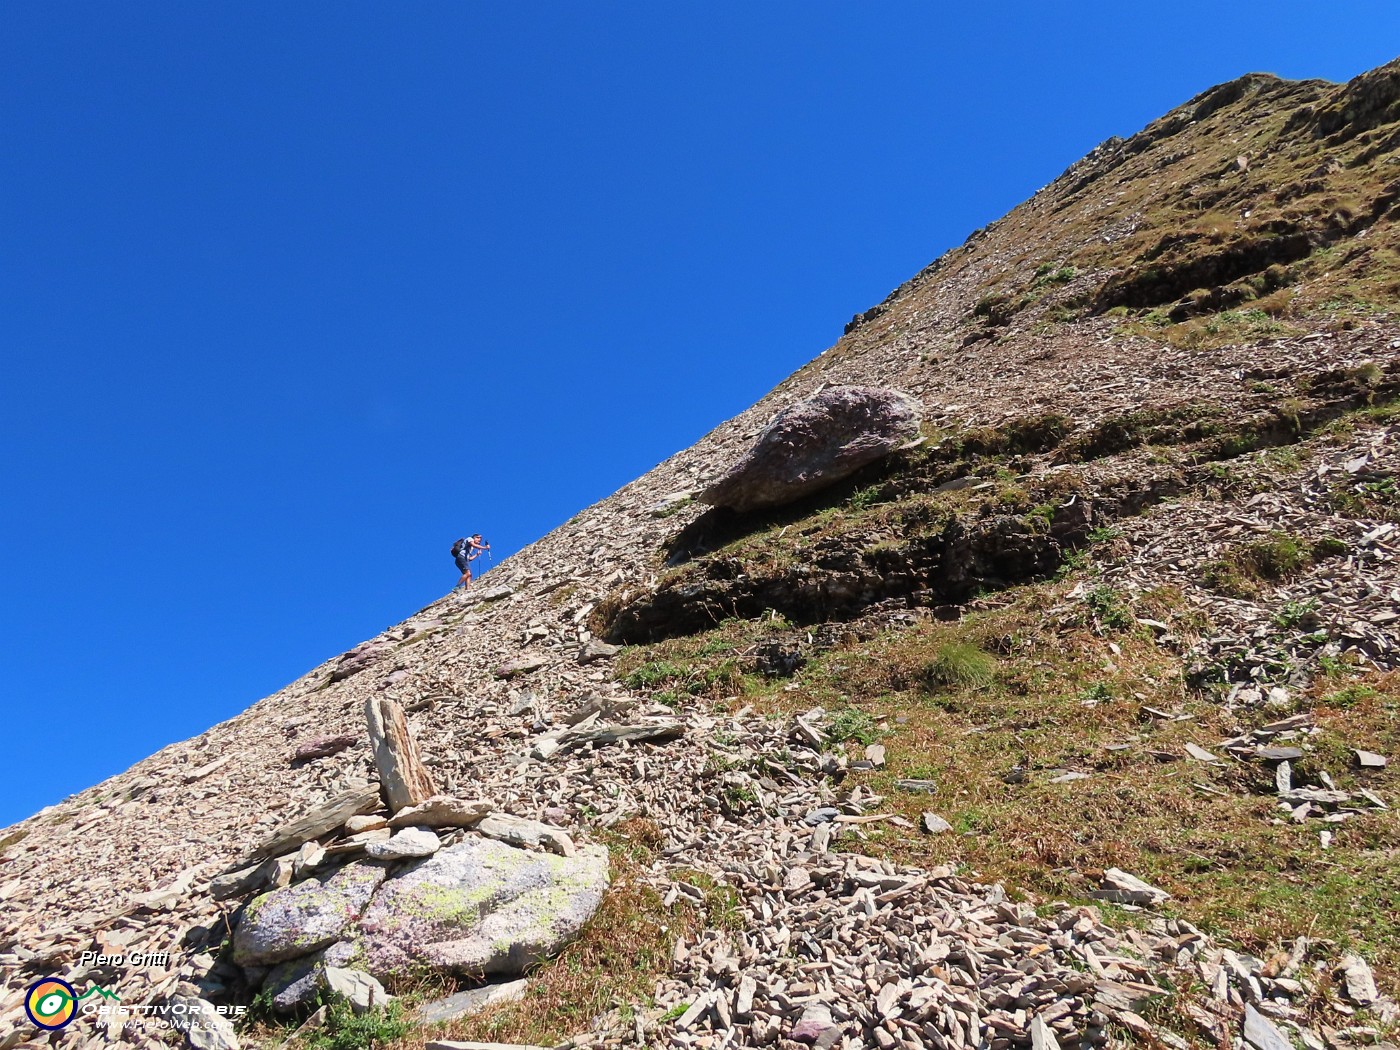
x=1057 y=697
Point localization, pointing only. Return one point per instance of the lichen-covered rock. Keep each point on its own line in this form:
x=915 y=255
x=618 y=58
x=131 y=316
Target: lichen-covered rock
x=296 y=983
x=483 y=907
x=815 y=443
x=301 y=919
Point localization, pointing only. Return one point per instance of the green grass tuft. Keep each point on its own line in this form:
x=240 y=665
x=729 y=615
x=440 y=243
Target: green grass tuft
x=957 y=664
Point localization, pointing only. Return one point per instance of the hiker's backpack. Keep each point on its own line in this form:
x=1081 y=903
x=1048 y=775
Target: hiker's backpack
x=458 y=546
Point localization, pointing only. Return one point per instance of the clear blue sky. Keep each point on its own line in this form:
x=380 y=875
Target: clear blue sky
x=292 y=295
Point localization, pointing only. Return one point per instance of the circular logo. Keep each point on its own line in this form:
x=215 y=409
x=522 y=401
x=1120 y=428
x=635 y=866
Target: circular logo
x=51 y=1003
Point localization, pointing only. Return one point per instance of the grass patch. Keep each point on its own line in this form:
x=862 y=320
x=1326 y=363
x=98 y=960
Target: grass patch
x=852 y=724
x=1108 y=608
x=346 y=1030
x=1247 y=567
x=957 y=665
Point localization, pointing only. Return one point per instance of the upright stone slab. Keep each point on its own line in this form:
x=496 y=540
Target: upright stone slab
x=402 y=775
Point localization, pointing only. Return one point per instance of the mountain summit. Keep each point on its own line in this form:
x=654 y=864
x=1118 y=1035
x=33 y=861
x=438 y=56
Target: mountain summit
x=1066 y=717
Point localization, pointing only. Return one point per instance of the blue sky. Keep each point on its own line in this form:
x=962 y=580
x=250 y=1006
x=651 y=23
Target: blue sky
x=295 y=294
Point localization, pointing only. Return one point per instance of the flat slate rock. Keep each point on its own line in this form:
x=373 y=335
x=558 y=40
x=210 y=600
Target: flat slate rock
x=472 y=1001
x=405 y=844
x=1260 y=1032
x=324 y=818
x=1121 y=888
x=934 y=824
x=520 y=665
x=442 y=811
x=1278 y=754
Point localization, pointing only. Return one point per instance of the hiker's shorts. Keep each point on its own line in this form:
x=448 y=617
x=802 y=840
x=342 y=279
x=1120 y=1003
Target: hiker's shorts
x=464 y=564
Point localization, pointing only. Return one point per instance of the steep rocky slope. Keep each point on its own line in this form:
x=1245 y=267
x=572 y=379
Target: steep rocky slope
x=1156 y=506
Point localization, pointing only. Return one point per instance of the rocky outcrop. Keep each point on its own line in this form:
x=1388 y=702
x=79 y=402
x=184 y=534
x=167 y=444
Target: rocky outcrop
x=815 y=443
x=841 y=578
x=483 y=907
x=477 y=907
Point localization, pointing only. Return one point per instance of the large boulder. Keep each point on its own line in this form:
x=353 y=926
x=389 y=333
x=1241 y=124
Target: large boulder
x=816 y=442
x=304 y=918
x=482 y=907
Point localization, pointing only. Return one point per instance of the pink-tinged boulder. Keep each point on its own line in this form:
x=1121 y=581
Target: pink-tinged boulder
x=482 y=907
x=304 y=918
x=815 y=443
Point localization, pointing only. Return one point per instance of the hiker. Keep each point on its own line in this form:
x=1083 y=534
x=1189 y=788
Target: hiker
x=464 y=552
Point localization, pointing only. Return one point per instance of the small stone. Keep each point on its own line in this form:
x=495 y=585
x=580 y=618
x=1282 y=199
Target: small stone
x=887 y=999
x=1200 y=754
x=520 y=666
x=1358 y=980
x=875 y=754
x=308 y=859
x=934 y=824
x=1121 y=888
x=245 y=880
x=815 y=1027
x=1369 y=759
x=1278 y=754
x=410 y=842
x=929 y=787
x=593 y=650
x=1042 y=1037
x=797 y=879
x=464 y=1004
x=359 y=989
x=521 y=832
x=494 y=594
x=203 y=1025
x=743 y=999
x=323 y=746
